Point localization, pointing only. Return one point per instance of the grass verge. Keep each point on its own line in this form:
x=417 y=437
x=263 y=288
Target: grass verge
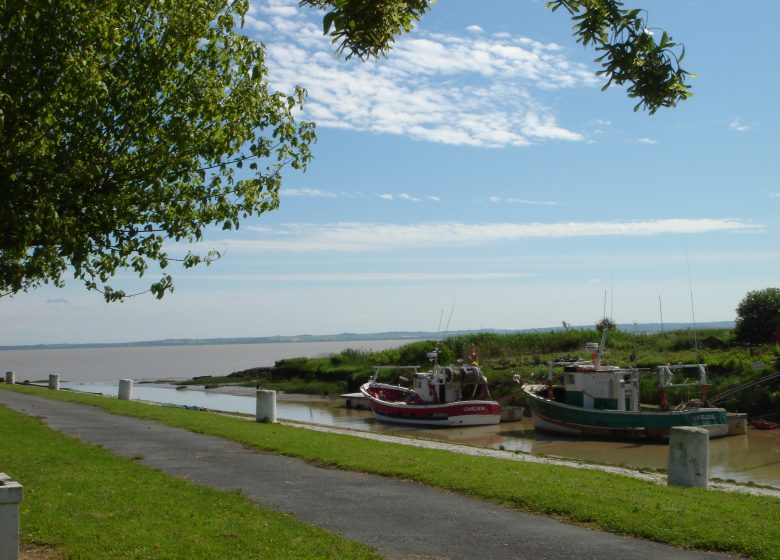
x=90 y=504
x=690 y=517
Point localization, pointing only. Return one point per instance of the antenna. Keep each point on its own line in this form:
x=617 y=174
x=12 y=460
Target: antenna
x=452 y=308
x=693 y=314
x=663 y=338
x=612 y=297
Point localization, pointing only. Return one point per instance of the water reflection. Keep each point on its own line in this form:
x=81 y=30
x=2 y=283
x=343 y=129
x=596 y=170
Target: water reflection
x=754 y=457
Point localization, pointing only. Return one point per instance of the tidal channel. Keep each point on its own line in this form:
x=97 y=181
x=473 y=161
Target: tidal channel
x=753 y=457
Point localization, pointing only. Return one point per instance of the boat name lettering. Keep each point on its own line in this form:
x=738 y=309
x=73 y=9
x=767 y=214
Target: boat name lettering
x=706 y=417
x=473 y=408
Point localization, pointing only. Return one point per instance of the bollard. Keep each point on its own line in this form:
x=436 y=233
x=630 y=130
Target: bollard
x=125 y=389
x=54 y=381
x=689 y=457
x=10 y=496
x=266 y=406
x=9 y=377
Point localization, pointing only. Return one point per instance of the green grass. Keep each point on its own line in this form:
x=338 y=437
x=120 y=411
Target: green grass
x=691 y=518
x=90 y=504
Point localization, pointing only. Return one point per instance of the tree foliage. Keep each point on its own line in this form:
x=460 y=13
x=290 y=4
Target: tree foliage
x=758 y=316
x=123 y=126
x=629 y=52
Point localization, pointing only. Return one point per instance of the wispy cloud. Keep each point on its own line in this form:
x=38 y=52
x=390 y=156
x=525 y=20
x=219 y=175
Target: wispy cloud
x=774 y=195
x=313 y=193
x=739 y=126
x=340 y=277
x=646 y=141
x=408 y=197
x=360 y=237
x=474 y=29
x=471 y=89
x=499 y=200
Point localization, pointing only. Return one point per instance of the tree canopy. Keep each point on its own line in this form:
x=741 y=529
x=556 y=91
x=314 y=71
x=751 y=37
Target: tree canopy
x=123 y=125
x=758 y=316
x=628 y=50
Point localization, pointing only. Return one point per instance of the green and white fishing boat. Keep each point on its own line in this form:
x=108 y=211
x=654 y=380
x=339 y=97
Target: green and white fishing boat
x=600 y=400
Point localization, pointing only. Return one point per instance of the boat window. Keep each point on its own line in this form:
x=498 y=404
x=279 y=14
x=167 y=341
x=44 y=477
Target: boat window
x=570 y=379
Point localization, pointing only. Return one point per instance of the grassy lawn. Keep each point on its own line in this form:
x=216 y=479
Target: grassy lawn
x=691 y=517
x=90 y=504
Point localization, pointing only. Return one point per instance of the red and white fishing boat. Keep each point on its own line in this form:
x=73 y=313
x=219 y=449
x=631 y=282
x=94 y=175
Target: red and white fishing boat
x=436 y=398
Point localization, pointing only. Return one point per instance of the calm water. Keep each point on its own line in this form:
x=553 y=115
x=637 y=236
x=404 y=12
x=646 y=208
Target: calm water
x=166 y=362
x=754 y=457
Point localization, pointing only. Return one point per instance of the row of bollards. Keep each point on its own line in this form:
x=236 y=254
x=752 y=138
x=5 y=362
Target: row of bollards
x=265 y=409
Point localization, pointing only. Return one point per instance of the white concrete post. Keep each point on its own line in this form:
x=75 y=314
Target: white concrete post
x=266 y=406
x=10 y=496
x=125 y=389
x=689 y=457
x=9 y=377
x=54 y=381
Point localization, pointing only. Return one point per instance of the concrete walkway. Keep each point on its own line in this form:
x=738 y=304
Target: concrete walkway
x=402 y=520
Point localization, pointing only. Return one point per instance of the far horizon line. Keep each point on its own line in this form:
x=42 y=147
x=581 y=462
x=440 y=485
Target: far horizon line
x=646 y=328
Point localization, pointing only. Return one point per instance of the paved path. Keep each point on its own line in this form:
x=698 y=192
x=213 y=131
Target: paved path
x=401 y=520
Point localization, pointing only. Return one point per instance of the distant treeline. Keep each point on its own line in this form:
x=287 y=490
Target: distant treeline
x=347 y=337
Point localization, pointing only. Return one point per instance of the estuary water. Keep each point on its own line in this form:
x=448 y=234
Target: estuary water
x=753 y=457
x=166 y=362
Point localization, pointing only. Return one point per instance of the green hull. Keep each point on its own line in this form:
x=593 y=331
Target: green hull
x=562 y=418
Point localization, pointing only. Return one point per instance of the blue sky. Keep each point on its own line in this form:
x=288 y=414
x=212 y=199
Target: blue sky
x=480 y=169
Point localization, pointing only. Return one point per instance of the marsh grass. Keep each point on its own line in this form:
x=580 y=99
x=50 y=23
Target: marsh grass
x=690 y=518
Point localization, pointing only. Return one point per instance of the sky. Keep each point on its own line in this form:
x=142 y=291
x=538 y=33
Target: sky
x=478 y=177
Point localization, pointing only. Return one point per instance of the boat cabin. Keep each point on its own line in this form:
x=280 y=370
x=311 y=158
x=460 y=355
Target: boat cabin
x=600 y=388
x=445 y=384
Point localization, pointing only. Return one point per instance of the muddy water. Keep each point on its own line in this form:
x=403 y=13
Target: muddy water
x=754 y=457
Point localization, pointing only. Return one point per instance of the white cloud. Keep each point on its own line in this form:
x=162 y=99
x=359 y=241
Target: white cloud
x=647 y=141
x=774 y=195
x=339 y=277
x=360 y=237
x=739 y=126
x=433 y=198
x=474 y=29
x=386 y=196
x=404 y=196
x=498 y=199
x=465 y=89
x=313 y=193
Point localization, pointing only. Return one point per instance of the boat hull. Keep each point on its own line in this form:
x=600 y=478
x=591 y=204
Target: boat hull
x=459 y=413
x=556 y=417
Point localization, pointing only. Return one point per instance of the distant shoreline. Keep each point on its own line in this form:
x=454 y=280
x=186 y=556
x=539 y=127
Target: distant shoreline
x=354 y=337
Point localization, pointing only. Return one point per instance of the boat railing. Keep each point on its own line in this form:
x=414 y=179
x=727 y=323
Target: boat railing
x=666 y=374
